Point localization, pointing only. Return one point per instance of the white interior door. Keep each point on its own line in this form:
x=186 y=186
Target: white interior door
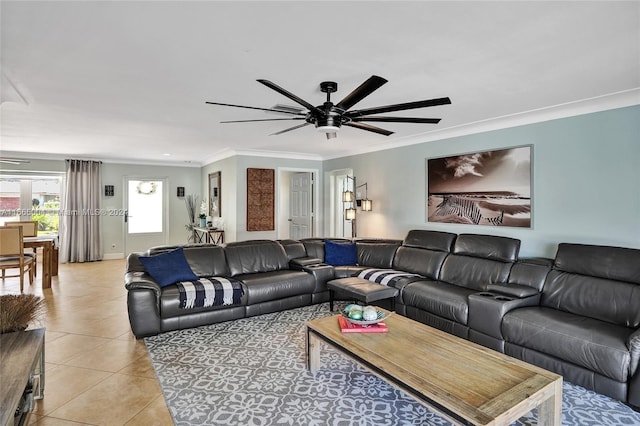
x=301 y=205
x=145 y=216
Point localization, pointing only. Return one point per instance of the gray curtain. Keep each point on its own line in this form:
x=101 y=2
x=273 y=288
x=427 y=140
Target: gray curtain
x=80 y=236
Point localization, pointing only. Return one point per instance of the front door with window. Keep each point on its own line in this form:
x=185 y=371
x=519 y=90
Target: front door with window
x=145 y=216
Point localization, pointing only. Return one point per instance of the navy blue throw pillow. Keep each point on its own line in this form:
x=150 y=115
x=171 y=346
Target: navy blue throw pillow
x=168 y=268
x=340 y=254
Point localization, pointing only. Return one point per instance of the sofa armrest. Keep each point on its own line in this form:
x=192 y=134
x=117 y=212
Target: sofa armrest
x=486 y=310
x=321 y=273
x=141 y=280
x=300 y=263
x=514 y=290
x=143 y=303
x=633 y=343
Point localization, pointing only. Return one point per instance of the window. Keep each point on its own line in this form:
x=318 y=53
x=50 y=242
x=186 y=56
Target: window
x=31 y=198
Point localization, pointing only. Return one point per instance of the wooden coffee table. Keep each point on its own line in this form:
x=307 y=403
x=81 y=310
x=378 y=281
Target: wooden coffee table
x=464 y=382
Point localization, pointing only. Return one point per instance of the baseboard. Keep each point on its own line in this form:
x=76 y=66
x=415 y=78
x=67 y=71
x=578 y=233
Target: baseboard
x=112 y=256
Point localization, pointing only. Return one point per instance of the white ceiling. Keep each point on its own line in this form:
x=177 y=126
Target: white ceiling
x=128 y=81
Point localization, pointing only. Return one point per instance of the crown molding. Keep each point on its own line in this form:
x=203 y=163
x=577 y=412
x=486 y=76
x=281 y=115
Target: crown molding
x=63 y=157
x=606 y=102
x=622 y=99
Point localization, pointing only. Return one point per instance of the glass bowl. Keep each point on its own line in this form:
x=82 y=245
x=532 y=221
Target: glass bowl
x=381 y=316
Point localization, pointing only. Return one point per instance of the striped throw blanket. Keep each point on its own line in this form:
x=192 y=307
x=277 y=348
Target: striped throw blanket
x=385 y=276
x=209 y=291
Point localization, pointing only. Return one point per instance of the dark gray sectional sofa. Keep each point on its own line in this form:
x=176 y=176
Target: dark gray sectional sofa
x=577 y=315
x=586 y=326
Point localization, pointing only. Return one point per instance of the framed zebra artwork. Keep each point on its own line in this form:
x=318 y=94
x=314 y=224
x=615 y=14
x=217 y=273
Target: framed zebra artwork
x=482 y=188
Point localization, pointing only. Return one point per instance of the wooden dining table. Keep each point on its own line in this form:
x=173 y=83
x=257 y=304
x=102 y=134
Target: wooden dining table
x=49 y=255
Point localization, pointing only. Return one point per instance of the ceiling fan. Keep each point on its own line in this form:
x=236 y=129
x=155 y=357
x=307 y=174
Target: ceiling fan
x=329 y=117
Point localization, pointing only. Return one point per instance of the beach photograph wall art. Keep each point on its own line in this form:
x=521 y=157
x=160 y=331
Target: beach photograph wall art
x=482 y=188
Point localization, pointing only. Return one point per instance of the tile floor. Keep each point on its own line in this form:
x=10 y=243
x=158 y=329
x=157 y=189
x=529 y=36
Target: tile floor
x=96 y=372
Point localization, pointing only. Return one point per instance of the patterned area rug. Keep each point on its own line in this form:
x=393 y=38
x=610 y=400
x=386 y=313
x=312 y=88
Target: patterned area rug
x=252 y=372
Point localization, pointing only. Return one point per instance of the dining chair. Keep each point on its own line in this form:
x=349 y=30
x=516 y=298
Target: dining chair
x=29 y=229
x=12 y=254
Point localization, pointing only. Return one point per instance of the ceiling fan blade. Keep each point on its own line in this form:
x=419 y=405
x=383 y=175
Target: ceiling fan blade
x=289 y=129
x=363 y=126
x=264 y=119
x=398 y=119
x=398 y=107
x=258 y=108
x=291 y=96
x=365 y=89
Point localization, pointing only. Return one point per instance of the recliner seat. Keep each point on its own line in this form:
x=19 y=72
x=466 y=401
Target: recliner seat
x=587 y=325
x=475 y=261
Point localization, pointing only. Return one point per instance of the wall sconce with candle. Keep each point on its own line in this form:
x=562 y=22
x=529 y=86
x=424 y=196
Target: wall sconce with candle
x=349 y=197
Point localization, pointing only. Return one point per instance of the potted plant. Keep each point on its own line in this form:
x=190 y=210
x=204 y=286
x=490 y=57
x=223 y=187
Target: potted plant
x=203 y=213
x=17 y=311
x=191 y=201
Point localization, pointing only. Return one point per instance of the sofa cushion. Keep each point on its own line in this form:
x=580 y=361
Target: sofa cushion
x=246 y=257
x=431 y=240
x=607 y=300
x=595 y=281
x=376 y=254
x=340 y=254
x=438 y=298
x=294 y=249
x=274 y=285
x=207 y=261
x=473 y=272
x=425 y=262
x=204 y=259
x=531 y=272
x=613 y=263
x=586 y=342
x=168 y=268
x=492 y=247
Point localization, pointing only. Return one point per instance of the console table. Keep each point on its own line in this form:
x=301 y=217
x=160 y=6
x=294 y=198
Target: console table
x=21 y=373
x=208 y=235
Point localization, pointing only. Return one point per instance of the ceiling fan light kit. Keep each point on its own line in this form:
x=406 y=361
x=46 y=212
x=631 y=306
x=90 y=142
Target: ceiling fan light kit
x=328 y=118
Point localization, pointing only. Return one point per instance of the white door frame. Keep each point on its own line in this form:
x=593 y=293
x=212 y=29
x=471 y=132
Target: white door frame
x=282 y=212
x=338 y=227
x=164 y=236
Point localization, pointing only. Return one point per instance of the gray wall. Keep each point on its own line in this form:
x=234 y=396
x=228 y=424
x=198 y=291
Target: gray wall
x=114 y=174
x=585 y=185
x=586 y=182
x=227 y=169
x=113 y=226
x=234 y=190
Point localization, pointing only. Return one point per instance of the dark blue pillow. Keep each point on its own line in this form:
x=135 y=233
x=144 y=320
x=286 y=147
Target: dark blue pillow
x=168 y=268
x=340 y=254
